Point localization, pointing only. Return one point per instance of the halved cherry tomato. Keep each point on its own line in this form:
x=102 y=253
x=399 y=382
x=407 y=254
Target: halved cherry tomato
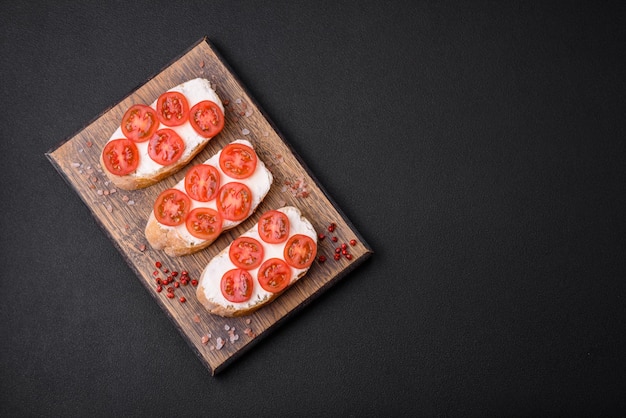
x=234 y=201
x=238 y=161
x=139 y=123
x=171 y=207
x=274 y=275
x=206 y=118
x=172 y=108
x=166 y=147
x=236 y=285
x=246 y=253
x=274 y=227
x=120 y=156
x=300 y=251
x=202 y=182
x=204 y=223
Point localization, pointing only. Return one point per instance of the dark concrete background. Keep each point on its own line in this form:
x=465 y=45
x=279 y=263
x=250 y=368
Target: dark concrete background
x=478 y=147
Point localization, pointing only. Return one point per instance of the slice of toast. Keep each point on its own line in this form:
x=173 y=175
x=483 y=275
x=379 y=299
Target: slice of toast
x=177 y=240
x=149 y=172
x=209 y=291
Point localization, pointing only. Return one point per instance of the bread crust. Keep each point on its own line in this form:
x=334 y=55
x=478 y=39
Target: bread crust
x=134 y=182
x=230 y=310
x=168 y=240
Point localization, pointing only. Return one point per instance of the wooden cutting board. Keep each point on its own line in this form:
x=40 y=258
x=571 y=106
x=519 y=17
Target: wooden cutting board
x=123 y=214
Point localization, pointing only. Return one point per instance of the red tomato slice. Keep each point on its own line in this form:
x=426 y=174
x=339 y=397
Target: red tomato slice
x=166 y=147
x=171 y=207
x=246 y=253
x=274 y=227
x=139 y=123
x=206 y=118
x=238 y=161
x=274 y=275
x=120 y=156
x=236 y=285
x=204 y=223
x=234 y=201
x=202 y=182
x=172 y=108
x=300 y=251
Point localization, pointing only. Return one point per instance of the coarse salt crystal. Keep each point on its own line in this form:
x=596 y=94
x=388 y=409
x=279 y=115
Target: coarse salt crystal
x=220 y=343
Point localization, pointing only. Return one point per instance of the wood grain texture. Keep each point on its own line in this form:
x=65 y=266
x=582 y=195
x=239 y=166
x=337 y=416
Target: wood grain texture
x=123 y=214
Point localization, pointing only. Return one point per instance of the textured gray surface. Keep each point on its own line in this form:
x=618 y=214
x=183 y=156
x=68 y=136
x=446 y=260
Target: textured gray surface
x=478 y=148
